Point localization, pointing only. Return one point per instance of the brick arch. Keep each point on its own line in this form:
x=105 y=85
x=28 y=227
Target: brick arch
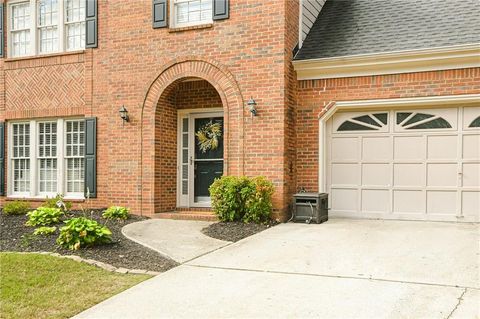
x=226 y=86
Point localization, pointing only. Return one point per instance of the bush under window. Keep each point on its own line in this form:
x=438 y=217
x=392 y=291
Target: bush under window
x=44 y=216
x=116 y=212
x=16 y=208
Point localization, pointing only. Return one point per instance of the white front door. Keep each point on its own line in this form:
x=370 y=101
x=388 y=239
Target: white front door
x=198 y=167
x=416 y=164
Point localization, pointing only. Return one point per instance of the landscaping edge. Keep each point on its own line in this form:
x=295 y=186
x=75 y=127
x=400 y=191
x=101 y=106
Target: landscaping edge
x=92 y=262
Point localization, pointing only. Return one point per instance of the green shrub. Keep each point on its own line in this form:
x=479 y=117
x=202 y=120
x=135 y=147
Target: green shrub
x=44 y=216
x=242 y=198
x=116 y=212
x=82 y=232
x=44 y=230
x=16 y=208
x=258 y=206
x=58 y=202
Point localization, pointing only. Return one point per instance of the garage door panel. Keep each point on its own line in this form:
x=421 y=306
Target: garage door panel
x=375 y=201
x=376 y=149
x=471 y=204
x=471 y=174
x=344 y=200
x=442 y=175
x=409 y=148
x=409 y=175
x=345 y=149
x=345 y=174
x=440 y=202
x=442 y=147
x=376 y=175
x=420 y=164
x=408 y=202
x=471 y=147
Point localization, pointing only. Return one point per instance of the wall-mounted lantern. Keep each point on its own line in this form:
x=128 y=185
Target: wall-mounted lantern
x=124 y=114
x=252 y=106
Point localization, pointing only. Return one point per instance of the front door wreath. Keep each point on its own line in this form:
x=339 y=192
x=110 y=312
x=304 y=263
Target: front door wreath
x=208 y=136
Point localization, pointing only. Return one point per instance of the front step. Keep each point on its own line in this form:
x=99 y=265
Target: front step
x=188 y=215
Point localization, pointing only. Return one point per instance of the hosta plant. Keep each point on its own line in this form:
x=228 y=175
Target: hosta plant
x=116 y=212
x=83 y=232
x=44 y=216
x=45 y=230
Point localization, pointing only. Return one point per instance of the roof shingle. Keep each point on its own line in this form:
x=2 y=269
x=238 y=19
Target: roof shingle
x=352 y=27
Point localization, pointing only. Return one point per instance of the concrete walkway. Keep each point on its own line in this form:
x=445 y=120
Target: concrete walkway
x=340 y=269
x=178 y=239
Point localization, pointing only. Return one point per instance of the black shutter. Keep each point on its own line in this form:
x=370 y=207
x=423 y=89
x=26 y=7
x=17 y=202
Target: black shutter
x=91 y=24
x=220 y=9
x=2 y=37
x=2 y=158
x=159 y=13
x=91 y=157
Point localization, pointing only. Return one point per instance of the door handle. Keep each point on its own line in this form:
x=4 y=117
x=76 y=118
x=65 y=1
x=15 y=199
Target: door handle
x=191 y=160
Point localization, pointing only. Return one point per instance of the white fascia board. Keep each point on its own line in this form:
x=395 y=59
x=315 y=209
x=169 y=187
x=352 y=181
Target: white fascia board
x=445 y=58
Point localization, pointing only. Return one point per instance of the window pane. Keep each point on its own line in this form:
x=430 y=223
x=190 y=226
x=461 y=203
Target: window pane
x=75 y=24
x=193 y=11
x=47 y=153
x=74 y=153
x=20 y=157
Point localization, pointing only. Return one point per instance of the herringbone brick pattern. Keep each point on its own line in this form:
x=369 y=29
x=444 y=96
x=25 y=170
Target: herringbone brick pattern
x=45 y=87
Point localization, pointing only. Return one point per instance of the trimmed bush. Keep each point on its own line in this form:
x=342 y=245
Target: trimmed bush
x=44 y=216
x=83 y=232
x=16 y=208
x=44 y=230
x=58 y=202
x=258 y=206
x=116 y=212
x=242 y=198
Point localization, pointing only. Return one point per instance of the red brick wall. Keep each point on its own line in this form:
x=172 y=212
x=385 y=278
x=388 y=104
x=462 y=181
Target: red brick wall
x=248 y=53
x=314 y=94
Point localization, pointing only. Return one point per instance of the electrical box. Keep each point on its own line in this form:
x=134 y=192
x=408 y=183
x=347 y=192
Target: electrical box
x=310 y=207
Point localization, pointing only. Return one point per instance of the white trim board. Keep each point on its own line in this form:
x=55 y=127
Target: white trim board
x=445 y=58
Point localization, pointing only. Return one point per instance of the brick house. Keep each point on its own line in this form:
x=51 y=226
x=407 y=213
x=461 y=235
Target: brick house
x=374 y=102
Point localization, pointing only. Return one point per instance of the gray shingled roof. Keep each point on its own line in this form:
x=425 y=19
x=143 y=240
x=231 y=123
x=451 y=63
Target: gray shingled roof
x=351 y=27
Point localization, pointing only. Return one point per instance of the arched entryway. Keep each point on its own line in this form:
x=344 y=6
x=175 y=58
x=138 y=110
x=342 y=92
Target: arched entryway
x=187 y=96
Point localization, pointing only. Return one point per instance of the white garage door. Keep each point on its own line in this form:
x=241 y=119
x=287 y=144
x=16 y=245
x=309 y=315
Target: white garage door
x=416 y=164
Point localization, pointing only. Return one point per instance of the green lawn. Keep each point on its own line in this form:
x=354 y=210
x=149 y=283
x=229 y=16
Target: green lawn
x=41 y=286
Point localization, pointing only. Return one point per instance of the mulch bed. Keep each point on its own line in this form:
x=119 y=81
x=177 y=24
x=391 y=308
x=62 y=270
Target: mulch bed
x=234 y=231
x=122 y=252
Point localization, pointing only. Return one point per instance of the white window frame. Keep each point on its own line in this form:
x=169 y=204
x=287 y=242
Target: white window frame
x=11 y=5
x=66 y=24
x=34 y=48
x=173 y=16
x=34 y=161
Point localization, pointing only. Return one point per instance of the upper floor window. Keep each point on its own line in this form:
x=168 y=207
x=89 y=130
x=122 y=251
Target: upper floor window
x=46 y=26
x=20 y=28
x=191 y=12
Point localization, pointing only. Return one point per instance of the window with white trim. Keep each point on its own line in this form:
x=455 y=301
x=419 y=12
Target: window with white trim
x=21 y=158
x=191 y=12
x=75 y=24
x=75 y=156
x=46 y=26
x=20 y=22
x=57 y=148
x=47 y=157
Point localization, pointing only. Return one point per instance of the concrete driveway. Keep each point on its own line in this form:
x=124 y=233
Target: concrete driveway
x=340 y=269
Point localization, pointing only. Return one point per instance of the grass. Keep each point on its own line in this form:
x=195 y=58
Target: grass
x=42 y=286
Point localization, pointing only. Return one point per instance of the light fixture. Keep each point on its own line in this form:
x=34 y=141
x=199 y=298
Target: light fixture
x=124 y=114
x=252 y=106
